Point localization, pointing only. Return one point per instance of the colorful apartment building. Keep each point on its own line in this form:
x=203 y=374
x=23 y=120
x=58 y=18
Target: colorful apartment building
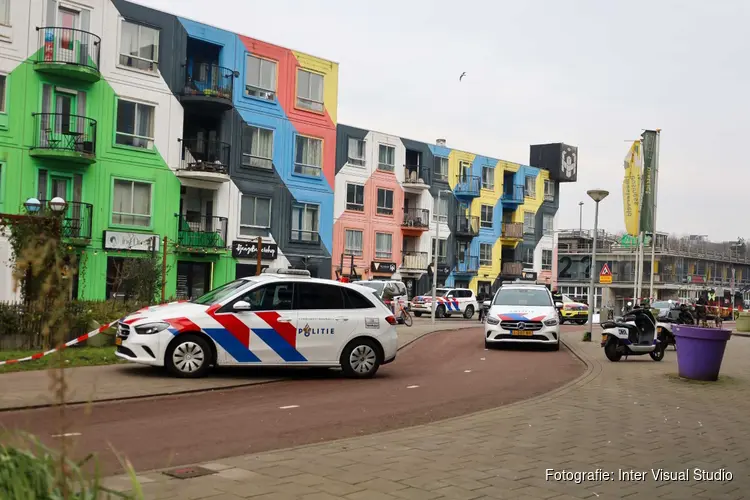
x=494 y=219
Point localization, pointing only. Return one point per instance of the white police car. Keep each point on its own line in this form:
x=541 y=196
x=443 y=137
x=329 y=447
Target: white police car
x=280 y=318
x=523 y=313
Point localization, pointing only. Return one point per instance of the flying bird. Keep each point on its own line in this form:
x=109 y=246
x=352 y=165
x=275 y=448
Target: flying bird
x=462 y=76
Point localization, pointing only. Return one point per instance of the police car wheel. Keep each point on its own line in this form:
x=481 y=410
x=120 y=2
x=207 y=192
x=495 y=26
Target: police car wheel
x=469 y=312
x=417 y=314
x=188 y=357
x=360 y=359
x=440 y=311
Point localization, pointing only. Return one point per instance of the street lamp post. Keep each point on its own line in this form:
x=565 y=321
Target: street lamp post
x=435 y=252
x=597 y=195
x=580 y=218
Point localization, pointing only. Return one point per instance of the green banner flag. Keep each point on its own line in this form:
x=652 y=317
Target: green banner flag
x=648 y=181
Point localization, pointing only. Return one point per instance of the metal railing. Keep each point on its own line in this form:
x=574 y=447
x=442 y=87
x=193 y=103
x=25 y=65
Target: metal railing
x=418 y=218
x=513 y=193
x=467 y=185
x=468 y=265
x=203 y=231
x=415 y=174
x=414 y=260
x=512 y=268
x=64 y=132
x=208 y=80
x=76 y=222
x=513 y=230
x=200 y=155
x=467 y=225
x=302 y=236
x=68 y=46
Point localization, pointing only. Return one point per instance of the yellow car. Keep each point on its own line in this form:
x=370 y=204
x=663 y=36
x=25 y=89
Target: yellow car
x=573 y=312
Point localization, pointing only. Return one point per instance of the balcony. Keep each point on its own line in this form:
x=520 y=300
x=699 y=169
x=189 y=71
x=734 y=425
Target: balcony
x=512 y=269
x=202 y=232
x=467 y=226
x=204 y=160
x=208 y=87
x=414 y=261
x=417 y=219
x=68 y=53
x=415 y=178
x=469 y=264
x=76 y=223
x=513 y=194
x=66 y=137
x=467 y=186
x=512 y=232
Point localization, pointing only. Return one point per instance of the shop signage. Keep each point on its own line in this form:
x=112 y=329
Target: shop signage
x=116 y=240
x=249 y=250
x=442 y=269
x=383 y=267
x=528 y=275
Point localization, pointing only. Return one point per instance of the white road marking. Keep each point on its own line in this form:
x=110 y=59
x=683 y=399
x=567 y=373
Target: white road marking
x=467 y=371
x=482 y=359
x=288 y=407
x=412 y=386
x=67 y=434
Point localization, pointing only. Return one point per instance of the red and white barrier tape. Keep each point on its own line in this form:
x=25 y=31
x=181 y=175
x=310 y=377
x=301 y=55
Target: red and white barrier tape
x=82 y=338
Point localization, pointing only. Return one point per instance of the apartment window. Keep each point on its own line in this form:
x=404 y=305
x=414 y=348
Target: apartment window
x=385 y=201
x=356 y=155
x=3 y=84
x=549 y=190
x=135 y=124
x=309 y=90
x=386 y=158
x=5 y=12
x=464 y=171
x=353 y=244
x=383 y=245
x=131 y=203
x=528 y=257
x=528 y=222
x=546 y=260
x=441 y=168
x=139 y=46
x=485 y=219
x=440 y=212
x=548 y=223
x=530 y=187
x=257 y=147
x=260 y=77
x=488 y=178
x=308 y=156
x=355 y=197
x=255 y=215
x=305 y=222
x=485 y=254
x=442 y=252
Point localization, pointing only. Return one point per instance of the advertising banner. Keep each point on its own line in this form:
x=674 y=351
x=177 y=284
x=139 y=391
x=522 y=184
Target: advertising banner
x=631 y=188
x=649 y=180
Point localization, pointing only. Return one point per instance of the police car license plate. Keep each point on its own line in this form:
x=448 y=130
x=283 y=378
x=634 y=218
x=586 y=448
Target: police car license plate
x=118 y=341
x=523 y=333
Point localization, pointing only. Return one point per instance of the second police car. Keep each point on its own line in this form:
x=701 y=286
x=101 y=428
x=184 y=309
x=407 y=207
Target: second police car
x=280 y=318
x=449 y=301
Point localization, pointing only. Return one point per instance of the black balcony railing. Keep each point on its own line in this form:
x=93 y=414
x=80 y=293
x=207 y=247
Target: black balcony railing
x=303 y=236
x=513 y=193
x=467 y=225
x=76 y=223
x=208 y=80
x=512 y=269
x=513 y=230
x=200 y=155
x=414 y=260
x=418 y=218
x=65 y=133
x=415 y=175
x=202 y=231
x=468 y=264
x=68 y=46
x=467 y=185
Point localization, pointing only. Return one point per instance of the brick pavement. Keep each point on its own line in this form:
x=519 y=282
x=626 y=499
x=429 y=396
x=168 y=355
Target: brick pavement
x=629 y=415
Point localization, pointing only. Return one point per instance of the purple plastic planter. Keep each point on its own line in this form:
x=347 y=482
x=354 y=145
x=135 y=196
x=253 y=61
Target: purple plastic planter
x=700 y=351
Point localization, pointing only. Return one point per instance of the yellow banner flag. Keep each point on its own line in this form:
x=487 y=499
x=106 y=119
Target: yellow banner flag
x=631 y=188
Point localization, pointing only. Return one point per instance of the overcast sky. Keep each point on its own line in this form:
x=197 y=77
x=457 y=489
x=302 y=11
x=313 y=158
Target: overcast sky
x=590 y=73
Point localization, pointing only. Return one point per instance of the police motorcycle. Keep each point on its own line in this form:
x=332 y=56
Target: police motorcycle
x=632 y=335
x=681 y=315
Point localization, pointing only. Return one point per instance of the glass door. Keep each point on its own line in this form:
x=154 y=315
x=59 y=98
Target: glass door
x=65 y=105
x=68 y=21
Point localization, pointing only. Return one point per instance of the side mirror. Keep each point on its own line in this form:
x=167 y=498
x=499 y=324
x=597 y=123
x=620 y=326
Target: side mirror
x=559 y=305
x=241 y=305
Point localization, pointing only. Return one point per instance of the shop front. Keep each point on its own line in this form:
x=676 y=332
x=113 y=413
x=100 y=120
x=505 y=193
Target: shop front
x=382 y=270
x=246 y=255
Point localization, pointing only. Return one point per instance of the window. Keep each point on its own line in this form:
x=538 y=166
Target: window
x=139 y=46
x=488 y=178
x=440 y=213
x=528 y=222
x=528 y=257
x=549 y=190
x=131 y=204
x=308 y=156
x=260 y=77
x=353 y=244
x=464 y=171
x=355 y=300
x=271 y=297
x=305 y=222
x=320 y=296
x=355 y=197
x=485 y=254
x=356 y=155
x=547 y=223
x=442 y=249
x=385 y=201
x=309 y=90
x=3 y=83
x=522 y=297
x=546 y=260
x=386 y=158
x=257 y=147
x=441 y=168
x=135 y=124
x=5 y=12
x=255 y=214
x=383 y=245
x=485 y=219
x=530 y=187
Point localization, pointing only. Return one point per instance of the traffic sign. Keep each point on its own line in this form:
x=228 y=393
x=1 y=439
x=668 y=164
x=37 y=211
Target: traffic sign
x=605 y=275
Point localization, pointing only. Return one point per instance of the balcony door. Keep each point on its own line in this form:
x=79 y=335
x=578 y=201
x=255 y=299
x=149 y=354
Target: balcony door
x=65 y=105
x=69 y=21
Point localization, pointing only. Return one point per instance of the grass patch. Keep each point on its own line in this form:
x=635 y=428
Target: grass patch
x=74 y=356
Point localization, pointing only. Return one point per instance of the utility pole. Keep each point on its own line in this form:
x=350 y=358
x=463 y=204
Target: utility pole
x=653 y=232
x=580 y=217
x=164 y=270
x=260 y=256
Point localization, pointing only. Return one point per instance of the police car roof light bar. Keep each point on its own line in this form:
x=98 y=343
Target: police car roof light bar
x=290 y=272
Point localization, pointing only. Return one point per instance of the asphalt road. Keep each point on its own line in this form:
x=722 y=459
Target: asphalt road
x=443 y=375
